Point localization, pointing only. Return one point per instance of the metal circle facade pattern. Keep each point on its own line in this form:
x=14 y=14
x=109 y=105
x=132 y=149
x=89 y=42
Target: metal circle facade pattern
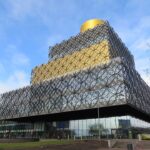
x=115 y=82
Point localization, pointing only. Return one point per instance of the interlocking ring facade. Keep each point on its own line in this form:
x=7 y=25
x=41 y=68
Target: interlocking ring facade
x=99 y=72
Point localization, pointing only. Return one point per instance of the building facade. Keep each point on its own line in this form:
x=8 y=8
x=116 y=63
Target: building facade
x=89 y=88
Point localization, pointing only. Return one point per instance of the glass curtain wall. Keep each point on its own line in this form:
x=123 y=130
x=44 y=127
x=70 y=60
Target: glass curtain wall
x=112 y=127
x=104 y=128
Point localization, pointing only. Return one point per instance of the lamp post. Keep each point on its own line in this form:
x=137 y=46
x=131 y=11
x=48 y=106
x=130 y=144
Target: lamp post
x=98 y=124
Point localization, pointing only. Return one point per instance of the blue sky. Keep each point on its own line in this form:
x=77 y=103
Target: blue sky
x=29 y=27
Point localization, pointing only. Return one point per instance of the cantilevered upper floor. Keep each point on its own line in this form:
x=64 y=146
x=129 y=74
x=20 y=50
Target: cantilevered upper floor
x=91 y=70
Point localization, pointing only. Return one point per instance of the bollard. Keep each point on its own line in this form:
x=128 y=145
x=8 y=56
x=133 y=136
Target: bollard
x=139 y=137
x=68 y=137
x=109 y=144
x=129 y=146
x=74 y=137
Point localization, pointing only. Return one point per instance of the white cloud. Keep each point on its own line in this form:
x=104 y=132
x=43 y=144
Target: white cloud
x=132 y=31
x=142 y=65
x=20 y=59
x=18 y=79
x=20 y=9
x=141 y=44
x=44 y=10
x=15 y=56
x=12 y=77
x=146 y=77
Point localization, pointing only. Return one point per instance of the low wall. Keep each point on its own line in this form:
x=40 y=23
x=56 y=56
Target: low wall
x=19 y=140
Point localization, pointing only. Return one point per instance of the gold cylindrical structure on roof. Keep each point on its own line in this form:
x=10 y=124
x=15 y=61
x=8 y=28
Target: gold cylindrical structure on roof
x=90 y=24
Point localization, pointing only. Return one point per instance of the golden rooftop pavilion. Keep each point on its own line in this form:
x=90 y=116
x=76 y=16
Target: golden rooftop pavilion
x=88 y=88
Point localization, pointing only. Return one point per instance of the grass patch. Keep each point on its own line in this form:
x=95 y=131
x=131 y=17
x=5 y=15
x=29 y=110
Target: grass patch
x=27 y=145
